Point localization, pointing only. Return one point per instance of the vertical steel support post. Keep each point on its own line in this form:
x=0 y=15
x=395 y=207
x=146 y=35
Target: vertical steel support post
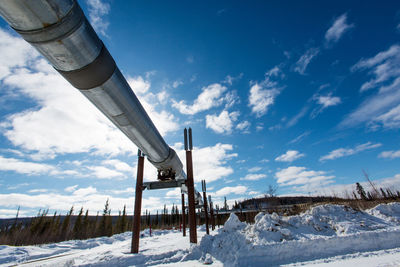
x=190 y=186
x=183 y=215
x=138 y=204
x=211 y=213
x=203 y=183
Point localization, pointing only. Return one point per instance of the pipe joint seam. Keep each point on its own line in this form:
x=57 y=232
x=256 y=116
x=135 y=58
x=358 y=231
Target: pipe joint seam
x=94 y=74
x=57 y=31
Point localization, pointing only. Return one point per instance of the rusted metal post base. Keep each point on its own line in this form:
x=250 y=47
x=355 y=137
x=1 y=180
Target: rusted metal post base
x=183 y=215
x=190 y=186
x=138 y=204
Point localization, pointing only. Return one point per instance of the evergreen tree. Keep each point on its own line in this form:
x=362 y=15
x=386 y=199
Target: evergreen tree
x=85 y=225
x=383 y=193
x=77 y=231
x=361 y=191
x=66 y=225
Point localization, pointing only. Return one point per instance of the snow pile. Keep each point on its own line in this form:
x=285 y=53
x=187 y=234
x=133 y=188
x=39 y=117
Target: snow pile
x=322 y=234
x=389 y=212
x=322 y=231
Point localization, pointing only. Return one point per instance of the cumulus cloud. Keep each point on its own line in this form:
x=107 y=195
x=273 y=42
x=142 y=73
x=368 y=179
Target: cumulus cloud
x=289 y=156
x=263 y=94
x=302 y=179
x=211 y=96
x=392 y=154
x=244 y=126
x=305 y=59
x=211 y=163
x=222 y=123
x=102 y=172
x=238 y=190
x=97 y=11
x=382 y=108
x=24 y=167
x=338 y=29
x=254 y=176
x=138 y=84
x=344 y=152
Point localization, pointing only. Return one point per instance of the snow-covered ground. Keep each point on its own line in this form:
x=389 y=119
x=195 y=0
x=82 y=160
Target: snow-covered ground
x=329 y=235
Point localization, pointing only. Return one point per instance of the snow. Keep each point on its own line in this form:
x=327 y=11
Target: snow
x=331 y=235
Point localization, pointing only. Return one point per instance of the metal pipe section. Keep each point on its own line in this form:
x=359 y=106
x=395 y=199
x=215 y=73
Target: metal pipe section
x=60 y=31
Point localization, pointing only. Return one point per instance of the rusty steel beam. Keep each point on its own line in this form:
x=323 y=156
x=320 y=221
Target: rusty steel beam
x=190 y=187
x=138 y=204
x=203 y=183
x=211 y=213
x=183 y=215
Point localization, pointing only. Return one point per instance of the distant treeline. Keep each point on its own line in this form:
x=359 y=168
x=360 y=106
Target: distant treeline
x=45 y=228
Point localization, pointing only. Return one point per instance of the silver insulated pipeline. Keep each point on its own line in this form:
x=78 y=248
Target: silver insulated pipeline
x=60 y=31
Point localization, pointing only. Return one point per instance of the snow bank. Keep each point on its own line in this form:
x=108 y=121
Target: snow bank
x=322 y=231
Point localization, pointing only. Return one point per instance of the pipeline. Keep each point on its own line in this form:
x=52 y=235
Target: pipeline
x=60 y=31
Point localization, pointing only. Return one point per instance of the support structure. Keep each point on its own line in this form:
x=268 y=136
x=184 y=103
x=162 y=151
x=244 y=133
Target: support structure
x=203 y=185
x=183 y=215
x=211 y=213
x=138 y=204
x=190 y=186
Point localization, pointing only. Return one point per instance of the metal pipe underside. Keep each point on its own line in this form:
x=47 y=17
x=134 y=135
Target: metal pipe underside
x=60 y=31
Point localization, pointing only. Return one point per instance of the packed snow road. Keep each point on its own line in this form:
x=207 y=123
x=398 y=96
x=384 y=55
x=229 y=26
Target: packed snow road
x=330 y=235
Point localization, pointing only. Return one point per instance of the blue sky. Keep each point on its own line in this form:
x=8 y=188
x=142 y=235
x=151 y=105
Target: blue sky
x=299 y=95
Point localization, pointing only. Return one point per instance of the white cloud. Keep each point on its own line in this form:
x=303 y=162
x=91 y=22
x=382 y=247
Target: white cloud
x=15 y=52
x=380 y=109
x=97 y=10
x=119 y=165
x=176 y=84
x=338 y=28
x=222 y=123
x=289 y=156
x=244 y=126
x=385 y=66
x=254 y=169
x=238 y=190
x=138 y=84
x=392 y=154
x=390 y=119
x=296 y=118
x=300 y=137
x=253 y=177
x=210 y=163
x=71 y=188
x=302 y=179
x=38 y=191
x=24 y=167
x=344 y=152
x=263 y=94
x=324 y=101
x=328 y=101
x=102 y=172
x=211 y=96
x=305 y=59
